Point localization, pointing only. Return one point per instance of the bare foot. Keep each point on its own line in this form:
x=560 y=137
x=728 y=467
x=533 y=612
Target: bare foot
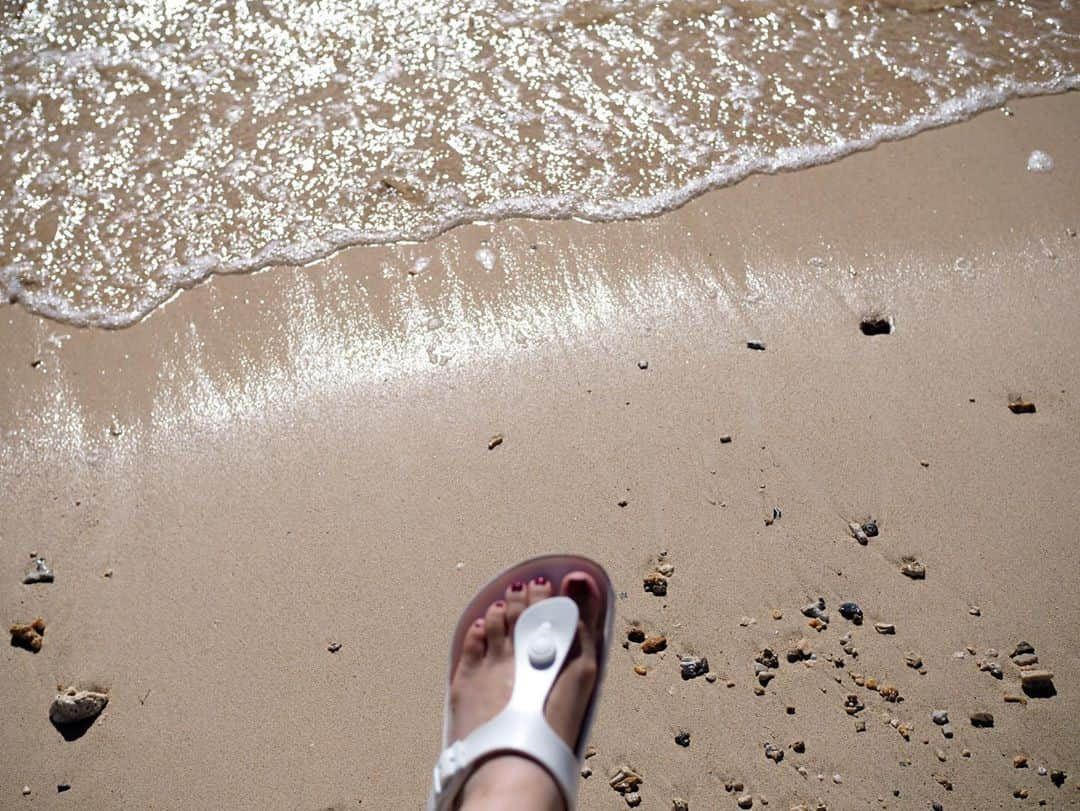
x=484 y=679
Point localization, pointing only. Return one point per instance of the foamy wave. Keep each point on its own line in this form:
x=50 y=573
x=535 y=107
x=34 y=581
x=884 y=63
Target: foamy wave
x=145 y=151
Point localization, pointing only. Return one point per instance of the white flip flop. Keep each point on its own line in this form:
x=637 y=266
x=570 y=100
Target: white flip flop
x=543 y=635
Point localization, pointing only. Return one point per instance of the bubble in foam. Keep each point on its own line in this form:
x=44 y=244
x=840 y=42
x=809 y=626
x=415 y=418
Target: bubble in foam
x=1039 y=161
x=486 y=257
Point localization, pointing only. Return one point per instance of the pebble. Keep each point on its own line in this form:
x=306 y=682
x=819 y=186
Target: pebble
x=495 y=442
x=889 y=693
x=851 y=611
x=1020 y=762
x=654 y=644
x=1022 y=407
x=725 y=439
x=943 y=781
x=28 y=635
x=679 y=804
x=1014 y=699
x=656 y=584
x=1057 y=777
x=852 y=705
x=940 y=717
x=1022 y=648
x=1032 y=678
x=936 y=806
x=947 y=731
x=975 y=611
x=1026 y=660
x=683 y=738
x=860 y=725
x=816 y=610
x=624 y=779
x=913 y=660
x=870 y=528
x=777 y=614
x=62 y=787
x=746 y=622
x=766 y=658
x=334 y=647
x=913 y=568
x=765 y=677
x=756 y=345
x=586 y=773
x=884 y=627
x=1042 y=771
x=666 y=569
x=774 y=752
x=39 y=572
x=633 y=799
x=636 y=635
x=1039 y=161
x=982 y=719
x=710 y=678
x=858 y=533
x=693 y=666
x=798 y=747
x=940 y=753
x=643 y=365
x=1021 y=793
x=836 y=778
x=744 y=801
x=26 y=791
x=76 y=705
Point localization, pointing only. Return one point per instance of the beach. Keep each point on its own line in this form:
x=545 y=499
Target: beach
x=276 y=462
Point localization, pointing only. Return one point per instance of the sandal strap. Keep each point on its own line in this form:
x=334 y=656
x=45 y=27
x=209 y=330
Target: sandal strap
x=542 y=639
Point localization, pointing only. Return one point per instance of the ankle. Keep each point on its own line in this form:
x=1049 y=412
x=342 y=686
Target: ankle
x=511 y=782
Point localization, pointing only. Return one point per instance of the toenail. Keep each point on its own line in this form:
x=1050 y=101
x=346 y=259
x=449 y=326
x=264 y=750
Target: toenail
x=517 y=585
x=479 y=623
x=500 y=604
x=540 y=580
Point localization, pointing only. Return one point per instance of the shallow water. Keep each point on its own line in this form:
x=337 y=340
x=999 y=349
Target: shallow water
x=147 y=145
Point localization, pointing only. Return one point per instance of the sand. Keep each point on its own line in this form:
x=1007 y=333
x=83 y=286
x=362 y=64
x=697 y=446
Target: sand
x=276 y=462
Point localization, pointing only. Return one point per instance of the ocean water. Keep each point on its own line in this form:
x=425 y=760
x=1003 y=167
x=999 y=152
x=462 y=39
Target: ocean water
x=146 y=145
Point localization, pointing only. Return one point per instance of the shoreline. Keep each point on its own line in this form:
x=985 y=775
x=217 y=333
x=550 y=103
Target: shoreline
x=295 y=467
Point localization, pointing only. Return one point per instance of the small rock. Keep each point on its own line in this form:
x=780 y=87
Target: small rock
x=586 y=773
x=28 y=635
x=767 y=658
x=940 y=717
x=495 y=442
x=62 y=787
x=1025 y=660
x=624 y=779
x=641 y=670
x=1021 y=406
x=1020 y=762
x=765 y=677
x=913 y=660
x=643 y=365
x=725 y=439
x=683 y=738
x=1021 y=793
x=790 y=709
x=26 y=791
x=746 y=622
x=860 y=725
x=870 y=528
x=1022 y=648
x=1057 y=777
x=334 y=647
x=940 y=753
x=982 y=719
x=633 y=799
x=1042 y=771
x=852 y=705
x=1014 y=699
x=76 y=705
x=636 y=635
x=656 y=584
x=756 y=345
x=39 y=572
x=965 y=753
x=798 y=747
x=943 y=781
x=858 y=533
x=777 y=614
x=654 y=644
x=1032 y=678
x=759 y=690
x=679 y=804
x=913 y=568
x=693 y=666
x=884 y=627
x=947 y=731
x=590 y=752
x=666 y=569
x=889 y=693
x=744 y=801
x=710 y=678
x=836 y=778
x=816 y=610
x=851 y=611
x=975 y=611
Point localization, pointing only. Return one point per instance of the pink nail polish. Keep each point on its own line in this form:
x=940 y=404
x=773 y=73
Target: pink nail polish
x=500 y=603
x=540 y=580
x=517 y=585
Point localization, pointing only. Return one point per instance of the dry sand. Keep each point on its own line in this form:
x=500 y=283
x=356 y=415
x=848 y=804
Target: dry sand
x=276 y=462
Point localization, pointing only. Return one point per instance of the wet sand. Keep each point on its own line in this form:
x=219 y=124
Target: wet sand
x=276 y=462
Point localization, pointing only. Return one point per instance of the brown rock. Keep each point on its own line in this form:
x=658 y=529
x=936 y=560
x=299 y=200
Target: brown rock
x=885 y=628
x=635 y=634
x=29 y=635
x=654 y=644
x=1020 y=762
x=641 y=670
x=913 y=568
x=1036 y=677
x=889 y=693
x=655 y=583
x=1021 y=406
x=982 y=719
x=495 y=442
x=624 y=779
x=1012 y=699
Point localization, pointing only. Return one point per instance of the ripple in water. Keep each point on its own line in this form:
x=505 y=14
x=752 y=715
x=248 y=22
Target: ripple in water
x=149 y=144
